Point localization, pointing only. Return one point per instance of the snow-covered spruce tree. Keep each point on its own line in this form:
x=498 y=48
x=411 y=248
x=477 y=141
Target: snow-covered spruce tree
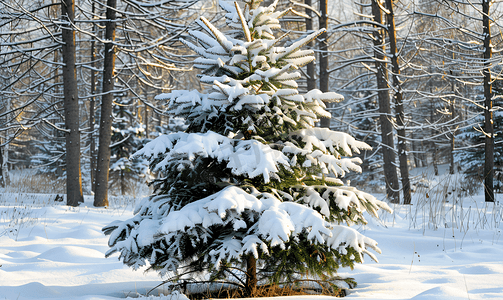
x=252 y=185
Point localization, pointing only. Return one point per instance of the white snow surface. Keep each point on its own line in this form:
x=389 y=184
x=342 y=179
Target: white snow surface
x=51 y=251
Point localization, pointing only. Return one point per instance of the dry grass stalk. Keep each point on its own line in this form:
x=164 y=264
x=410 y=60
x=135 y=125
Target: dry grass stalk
x=272 y=290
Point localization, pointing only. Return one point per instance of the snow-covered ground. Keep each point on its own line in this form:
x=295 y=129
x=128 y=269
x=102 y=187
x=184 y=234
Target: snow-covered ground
x=51 y=251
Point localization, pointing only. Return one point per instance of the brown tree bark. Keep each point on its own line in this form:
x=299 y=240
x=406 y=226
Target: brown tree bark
x=417 y=158
x=4 y=152
x=323 y=56
x=435 y=151
x=399 y=111
x=488 y=104
x=105 y=136
x=3 y=164
x=71 y=105
x=310 y=68
x=433 y=146
x=251 y=275
x=145 y=113
x=453 y=130
x=2 y=180
x=147 y=130
x=92 y=105
x=388 y=144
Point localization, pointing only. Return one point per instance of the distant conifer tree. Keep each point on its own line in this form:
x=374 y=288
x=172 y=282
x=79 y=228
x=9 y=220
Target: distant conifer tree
x=472 y=158
x=126 y=140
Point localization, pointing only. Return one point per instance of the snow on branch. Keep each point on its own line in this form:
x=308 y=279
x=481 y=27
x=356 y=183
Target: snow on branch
x=344 y=237
x=324 y=139
x=277 y=222
x=243 y=157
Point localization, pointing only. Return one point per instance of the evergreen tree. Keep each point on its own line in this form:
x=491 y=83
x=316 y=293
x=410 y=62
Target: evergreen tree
x=472 y=158
x=252 y=184
x=50 y=159
x=50 y=155
x=126 y=140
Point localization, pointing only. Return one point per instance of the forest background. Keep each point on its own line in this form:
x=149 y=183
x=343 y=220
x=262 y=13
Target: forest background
x=78 y=81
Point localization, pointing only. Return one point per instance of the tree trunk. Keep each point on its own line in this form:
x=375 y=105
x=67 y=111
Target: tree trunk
x=2 y=180
x=323 y=57
x=453 y=143
x=159 y=120
x=433 y=145
x=105 y=136
x=146 y=121
x=123 y=183
x=417 y=157
x=388 y=145
x=435 y=165
x=251 y=275
x=488 y=113
x=92 y=105
x=4 y=150
x=453 y=130
x=92 y=143
x=145 y=116
x=71 y=104
x=5 y=165
x=310 y=68
x=400 y=115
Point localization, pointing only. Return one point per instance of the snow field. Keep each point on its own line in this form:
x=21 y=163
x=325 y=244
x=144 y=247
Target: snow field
x=51 y=251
